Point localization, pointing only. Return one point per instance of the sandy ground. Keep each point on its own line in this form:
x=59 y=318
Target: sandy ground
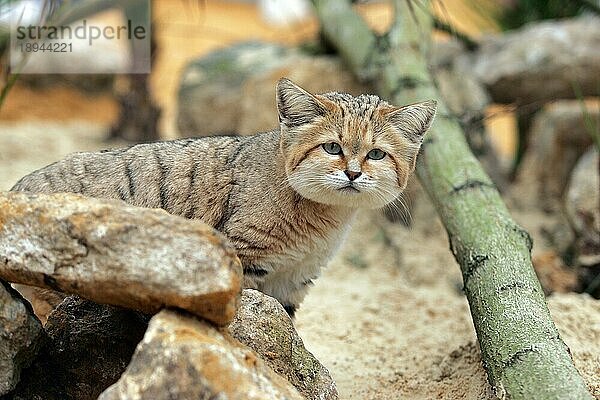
x=387 y=317
x=390 y=321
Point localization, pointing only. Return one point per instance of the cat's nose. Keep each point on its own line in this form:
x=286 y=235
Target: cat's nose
x=352 y=175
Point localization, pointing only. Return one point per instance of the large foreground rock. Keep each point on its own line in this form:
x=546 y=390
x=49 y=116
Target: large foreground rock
x=262 y=324
x=112 y=253
x=89 y=346
x=540 y=62
x=182 y=357
x=21 y=336
x=232 y=90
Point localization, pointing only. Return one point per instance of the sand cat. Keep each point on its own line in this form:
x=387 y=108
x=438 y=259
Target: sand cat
x=284 y=198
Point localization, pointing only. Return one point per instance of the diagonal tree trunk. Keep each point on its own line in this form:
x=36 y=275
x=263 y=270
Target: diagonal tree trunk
x=522 y=351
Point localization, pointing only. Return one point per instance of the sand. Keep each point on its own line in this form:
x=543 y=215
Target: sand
x=391 y=322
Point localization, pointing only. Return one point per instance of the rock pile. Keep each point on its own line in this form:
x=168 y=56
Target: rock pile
x=550 y=72
x=125 y=262
x=560 y=169
x=184 y=358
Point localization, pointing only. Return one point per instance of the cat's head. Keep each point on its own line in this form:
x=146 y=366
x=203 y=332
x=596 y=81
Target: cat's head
x=349 y=151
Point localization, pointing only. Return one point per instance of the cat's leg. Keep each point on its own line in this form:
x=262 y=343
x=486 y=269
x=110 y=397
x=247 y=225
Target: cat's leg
x=254 y=277
x=294 y=297
x=289 y=294
x=288 y=286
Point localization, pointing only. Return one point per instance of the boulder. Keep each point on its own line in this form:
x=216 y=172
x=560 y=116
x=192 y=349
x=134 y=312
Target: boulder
x=232 y=90
x=558 y=137
x=21 y=336
x=262 y=324
x=89 y=346
x=209 y=91
x=317 y=74
x=540 y=62
x=109 y=252
x=182 y=357
x=582 y=206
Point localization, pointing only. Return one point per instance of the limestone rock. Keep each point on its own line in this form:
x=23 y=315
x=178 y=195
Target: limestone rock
x=112 y=253
x=262 y=324
x=541 y=61
x=182 y=357
x=21 y=336
x=232 y=91
x=88 y=349
x=558 y=137
x=582 y=206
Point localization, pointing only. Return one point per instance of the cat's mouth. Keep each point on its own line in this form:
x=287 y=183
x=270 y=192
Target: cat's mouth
x=349 y=189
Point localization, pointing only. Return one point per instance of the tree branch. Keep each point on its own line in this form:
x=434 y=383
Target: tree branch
x=345 y=26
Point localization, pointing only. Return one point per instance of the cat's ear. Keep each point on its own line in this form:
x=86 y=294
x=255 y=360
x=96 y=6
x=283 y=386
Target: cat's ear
x=413 y=120
x=296 y=106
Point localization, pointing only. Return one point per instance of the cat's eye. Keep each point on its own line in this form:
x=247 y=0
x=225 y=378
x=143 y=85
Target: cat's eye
x=376 y=154
x=332 y=148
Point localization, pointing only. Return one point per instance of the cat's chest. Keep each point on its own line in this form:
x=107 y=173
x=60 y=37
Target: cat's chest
x=315 y=251
x=303 y=260
x=292 y=270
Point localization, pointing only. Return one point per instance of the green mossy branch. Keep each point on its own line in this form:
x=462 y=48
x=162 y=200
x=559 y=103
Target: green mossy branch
x=521 y=349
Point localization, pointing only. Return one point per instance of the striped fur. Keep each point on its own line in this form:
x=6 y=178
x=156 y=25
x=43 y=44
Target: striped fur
x=276 y=195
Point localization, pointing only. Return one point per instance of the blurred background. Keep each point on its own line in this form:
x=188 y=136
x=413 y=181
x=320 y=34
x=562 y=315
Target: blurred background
x=184 y=31
x=523 y=77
